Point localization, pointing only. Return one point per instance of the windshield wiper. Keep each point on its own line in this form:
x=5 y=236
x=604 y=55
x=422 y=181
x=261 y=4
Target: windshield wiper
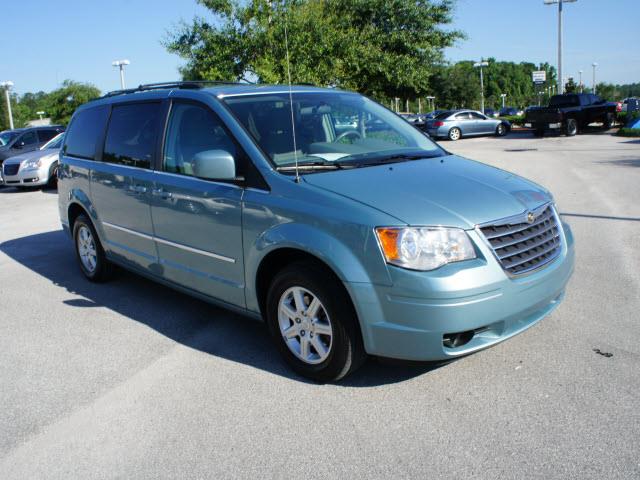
x=393 y=158
x=320 y=165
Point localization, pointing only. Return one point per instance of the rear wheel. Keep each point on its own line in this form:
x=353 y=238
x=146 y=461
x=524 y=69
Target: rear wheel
x=89 y=251
x=313 y=323
x=455 y=134
x=501 y=130
x=571 y=127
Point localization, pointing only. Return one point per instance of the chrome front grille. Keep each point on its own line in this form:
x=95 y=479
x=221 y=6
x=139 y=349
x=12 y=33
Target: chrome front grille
x=522 y=247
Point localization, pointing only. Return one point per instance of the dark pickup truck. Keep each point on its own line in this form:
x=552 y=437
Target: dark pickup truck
x=571 y=112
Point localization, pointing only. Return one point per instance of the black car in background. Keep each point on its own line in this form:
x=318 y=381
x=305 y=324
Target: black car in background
x=510 y=111
x=417 y=120
x=570 y=113
x=490 y=112
x=22 y=140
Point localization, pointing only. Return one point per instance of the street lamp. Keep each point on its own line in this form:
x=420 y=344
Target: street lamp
x=479 y=65
x=40 y=114
x=559 y=2
x=594 y=65
x=121 y=64
x=7 y=86
x=432 y=100
x=503 y=95
x=580 y=72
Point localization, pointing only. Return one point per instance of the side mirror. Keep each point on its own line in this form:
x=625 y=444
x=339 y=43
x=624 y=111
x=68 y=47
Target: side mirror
x=214 y=165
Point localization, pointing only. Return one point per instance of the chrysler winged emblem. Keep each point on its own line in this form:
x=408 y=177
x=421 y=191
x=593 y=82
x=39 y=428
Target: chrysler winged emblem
x=530 y=217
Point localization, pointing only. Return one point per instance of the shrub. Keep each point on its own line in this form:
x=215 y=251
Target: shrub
x=514 y=119
x=629 y=132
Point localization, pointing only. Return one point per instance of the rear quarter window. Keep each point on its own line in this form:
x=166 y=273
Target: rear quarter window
x=132 y=133
x=84 y=132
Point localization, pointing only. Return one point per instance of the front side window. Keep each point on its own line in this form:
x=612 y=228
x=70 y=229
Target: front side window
x=6 y=137
x=28 y=138
x=55 y=142
x=84 y=132
x=331 y=128
x=131 y=135
x=193 y=129
x=462 y=116
x=477 y=116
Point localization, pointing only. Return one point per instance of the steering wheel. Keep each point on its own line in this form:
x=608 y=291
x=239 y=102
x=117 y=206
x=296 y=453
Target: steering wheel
x=346 y=134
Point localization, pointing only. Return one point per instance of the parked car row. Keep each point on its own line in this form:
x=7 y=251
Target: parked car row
x=29 y=156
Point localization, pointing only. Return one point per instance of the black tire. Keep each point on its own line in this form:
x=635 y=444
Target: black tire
x=538 y=132
x=571 y=127
x=103 y=268
x=609 y=121
x=52 y=183
x=501 y=130
x=346 y=351
x=454 y=134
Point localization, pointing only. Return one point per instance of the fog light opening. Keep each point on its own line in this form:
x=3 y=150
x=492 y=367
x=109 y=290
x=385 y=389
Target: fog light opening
x=454 y=340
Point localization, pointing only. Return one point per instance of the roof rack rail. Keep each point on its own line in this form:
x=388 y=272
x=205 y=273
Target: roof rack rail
x=187 y=84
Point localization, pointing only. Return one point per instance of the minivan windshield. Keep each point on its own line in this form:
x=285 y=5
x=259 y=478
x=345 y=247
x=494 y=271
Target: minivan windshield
x=332 y=130
x=6 y=137
x=55 y=142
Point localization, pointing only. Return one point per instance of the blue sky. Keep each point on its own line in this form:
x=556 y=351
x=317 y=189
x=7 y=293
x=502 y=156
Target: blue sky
x=78 y=39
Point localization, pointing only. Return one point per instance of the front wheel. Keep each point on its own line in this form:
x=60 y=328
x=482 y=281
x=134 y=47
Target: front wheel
x=313 y=323
x=571 y=127
x=455 y=134
x=52 y=182
x=609 y=120
x=501 y=130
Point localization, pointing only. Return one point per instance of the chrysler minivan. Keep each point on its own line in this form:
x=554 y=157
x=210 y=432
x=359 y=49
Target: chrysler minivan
x=347 y=230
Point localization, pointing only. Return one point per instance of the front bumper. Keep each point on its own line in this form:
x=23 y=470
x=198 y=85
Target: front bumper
x=410 y=319
x=27 y=178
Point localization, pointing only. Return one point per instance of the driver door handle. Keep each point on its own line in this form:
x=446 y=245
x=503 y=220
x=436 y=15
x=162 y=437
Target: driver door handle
x=159 y=192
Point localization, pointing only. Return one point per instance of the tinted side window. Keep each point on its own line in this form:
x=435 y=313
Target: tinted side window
x=132 y=133
x=85 y=130
x=462 y=116
x=28 y=138
x=46 y=135
x=193 y=129
x=476 y=116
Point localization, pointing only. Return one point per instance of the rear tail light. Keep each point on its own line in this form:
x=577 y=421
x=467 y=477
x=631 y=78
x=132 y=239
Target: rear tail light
x=438 y=123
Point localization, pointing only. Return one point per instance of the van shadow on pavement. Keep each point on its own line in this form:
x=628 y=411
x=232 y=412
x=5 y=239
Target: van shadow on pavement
x=184 y=319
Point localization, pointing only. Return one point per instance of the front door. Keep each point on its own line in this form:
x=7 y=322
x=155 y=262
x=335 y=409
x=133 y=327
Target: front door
x=122 y=183
x=197 y=222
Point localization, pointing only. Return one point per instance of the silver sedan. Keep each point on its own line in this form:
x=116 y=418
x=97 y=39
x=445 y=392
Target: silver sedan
x=455 y=124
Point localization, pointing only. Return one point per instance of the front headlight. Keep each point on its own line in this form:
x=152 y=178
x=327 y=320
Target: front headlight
x=424 y=248
x=33 y=163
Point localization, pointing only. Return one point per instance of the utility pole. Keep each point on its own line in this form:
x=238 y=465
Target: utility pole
x=7 y=86
x=503 y=95
x=479 y=65
x=559 y=2
x=432 y=102
x=594 y=65
x=121 y=64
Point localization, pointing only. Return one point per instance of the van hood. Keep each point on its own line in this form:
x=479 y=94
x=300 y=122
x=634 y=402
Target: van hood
x=449 y=191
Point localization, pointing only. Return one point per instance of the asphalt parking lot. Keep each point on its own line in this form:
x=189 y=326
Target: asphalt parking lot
x=133 y=380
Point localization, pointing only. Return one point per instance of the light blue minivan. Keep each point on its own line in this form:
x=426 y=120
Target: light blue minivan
x=318 y=210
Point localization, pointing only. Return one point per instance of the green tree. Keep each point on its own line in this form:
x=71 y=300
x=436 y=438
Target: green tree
x=570 y=86
x=61 y=103
x=383 y=48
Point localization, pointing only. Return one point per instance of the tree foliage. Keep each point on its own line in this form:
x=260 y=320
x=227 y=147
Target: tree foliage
x=382 y=48
x=59 y=104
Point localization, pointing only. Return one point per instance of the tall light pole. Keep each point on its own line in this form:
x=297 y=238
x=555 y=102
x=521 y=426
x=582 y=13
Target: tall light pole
x=121 y=64
x=503 y=95
x=479 y=65
x=7 y=86
x=559 y=2
x=40 y=114
x=580 y=72
x=594 y=65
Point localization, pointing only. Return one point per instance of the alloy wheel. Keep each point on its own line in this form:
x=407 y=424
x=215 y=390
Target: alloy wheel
x=305 y=325
x=87 y=249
